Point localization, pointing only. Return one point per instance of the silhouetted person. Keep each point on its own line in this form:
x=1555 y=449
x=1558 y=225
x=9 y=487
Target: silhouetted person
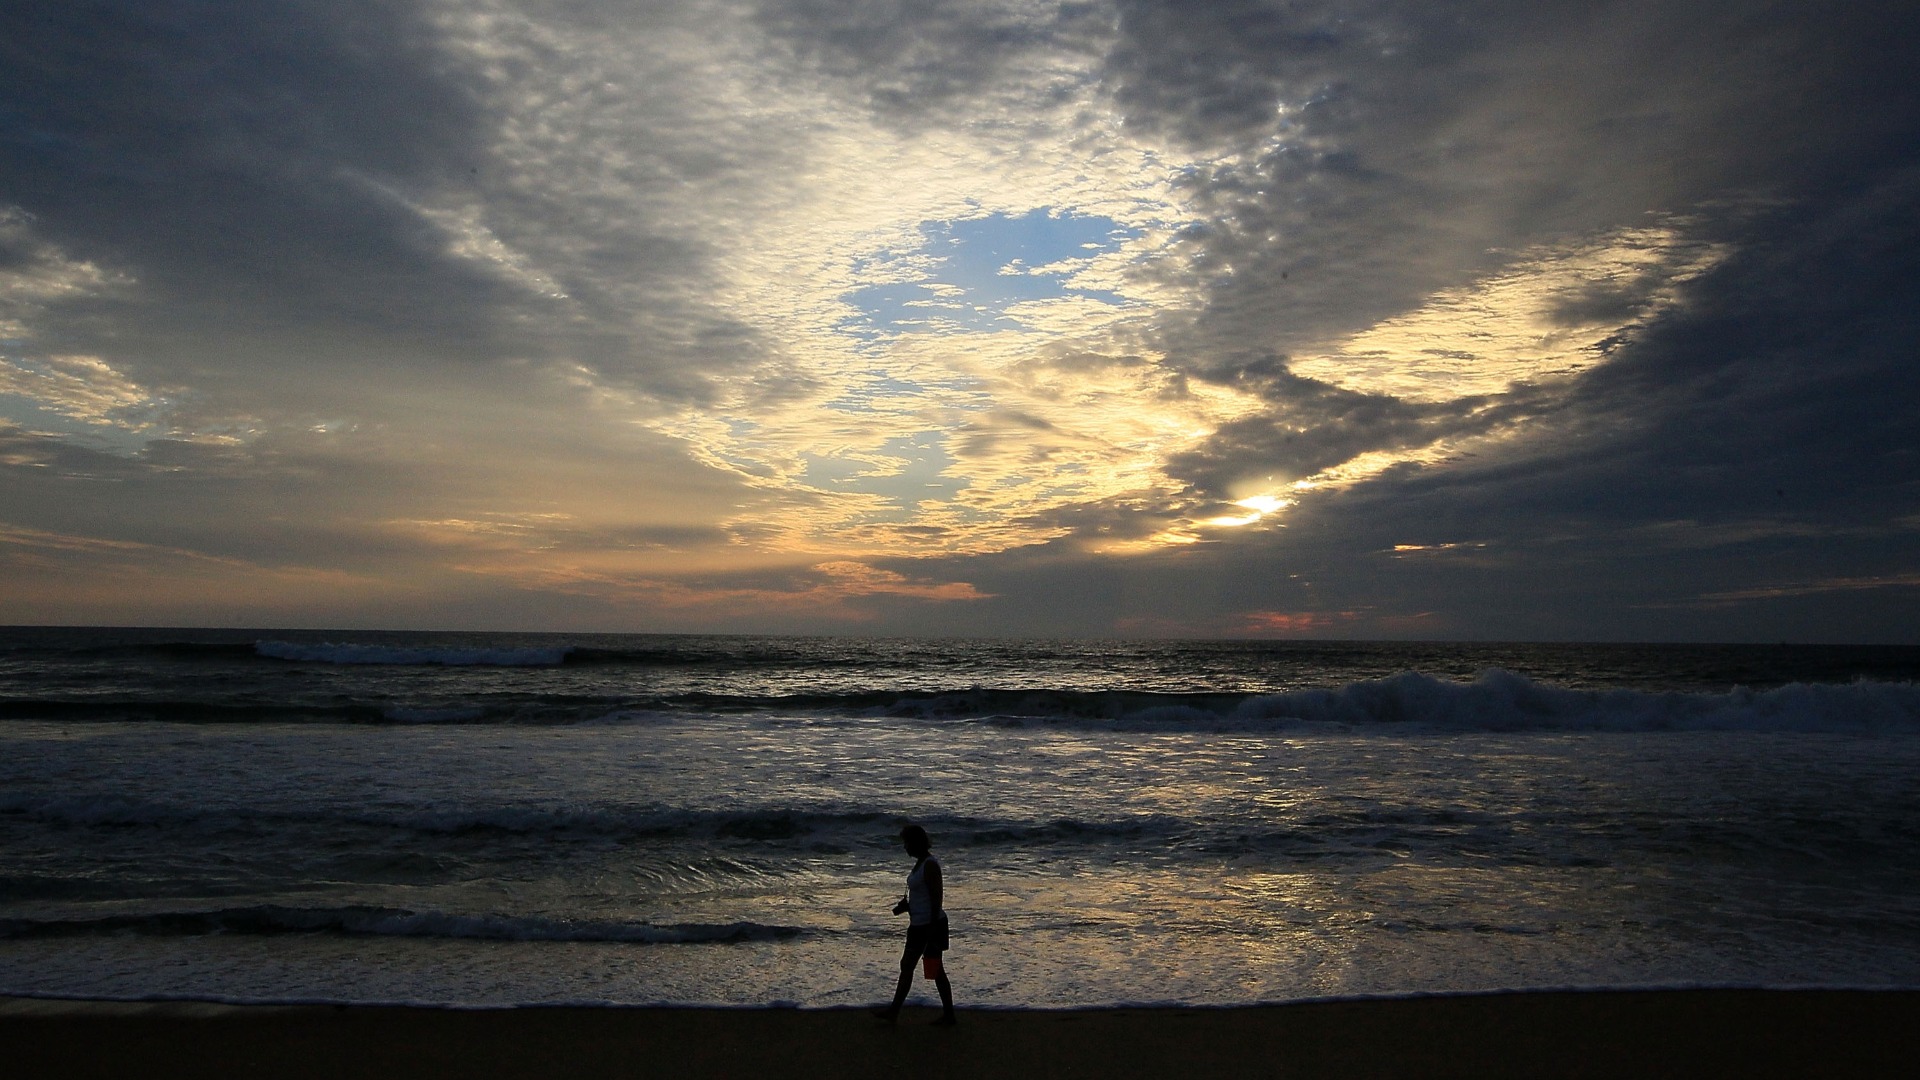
x=927 y=926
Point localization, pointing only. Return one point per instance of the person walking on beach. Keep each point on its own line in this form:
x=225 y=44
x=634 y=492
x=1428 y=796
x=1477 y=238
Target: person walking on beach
x=926 y=929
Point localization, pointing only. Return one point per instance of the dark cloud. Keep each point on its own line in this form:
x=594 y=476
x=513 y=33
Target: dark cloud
x=1759 y=431
x=1372 y=153
x=912 y=58
x=262 y=176
x=1754 y=443
x=1784 y=385
x=1215 y=75
x=26 y=453
x=225 y=153
x=1310 y=427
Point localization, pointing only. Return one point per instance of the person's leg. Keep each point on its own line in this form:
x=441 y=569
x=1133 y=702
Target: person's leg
x=936 y=966
x=910 y=958
x=905 y=984
x=946 y=993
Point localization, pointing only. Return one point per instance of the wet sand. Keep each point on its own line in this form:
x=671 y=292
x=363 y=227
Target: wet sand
x=1691 y=1033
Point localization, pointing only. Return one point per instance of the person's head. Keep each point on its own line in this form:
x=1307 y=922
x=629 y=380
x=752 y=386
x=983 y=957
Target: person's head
x=915 y=838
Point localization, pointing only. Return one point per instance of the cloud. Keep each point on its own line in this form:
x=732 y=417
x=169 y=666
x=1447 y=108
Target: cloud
x=1549 y=315
x=208 y=150
x=1765 y=412
x=592 y=311
x=35 y=274
x=84 y=388
x=837 y=592
x=1307 y=623
x=1378 y=154
x=912 y=61
x=57 y=577
x=1811 y=588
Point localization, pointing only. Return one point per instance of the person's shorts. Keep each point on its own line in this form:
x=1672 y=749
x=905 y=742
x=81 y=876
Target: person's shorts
x=927 y=940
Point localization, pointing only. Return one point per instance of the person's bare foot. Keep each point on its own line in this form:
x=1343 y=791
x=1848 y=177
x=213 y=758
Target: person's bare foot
x=945 y=1020
x=888 y=1015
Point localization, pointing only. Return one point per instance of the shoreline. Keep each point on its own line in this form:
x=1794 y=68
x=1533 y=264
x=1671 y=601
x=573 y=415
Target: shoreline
x=1552 y=1033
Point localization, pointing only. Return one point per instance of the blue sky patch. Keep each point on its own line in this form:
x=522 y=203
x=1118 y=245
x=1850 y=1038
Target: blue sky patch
x=922 y=477
x=974 y=269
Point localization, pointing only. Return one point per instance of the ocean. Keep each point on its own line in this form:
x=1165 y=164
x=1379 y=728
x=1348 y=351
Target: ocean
x=493 y=819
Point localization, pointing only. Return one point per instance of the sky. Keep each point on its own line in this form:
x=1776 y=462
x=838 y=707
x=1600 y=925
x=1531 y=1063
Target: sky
x=1516 y=319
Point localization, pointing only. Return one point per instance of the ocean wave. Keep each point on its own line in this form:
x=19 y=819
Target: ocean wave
x=530 y=710
x=96 y=810
x=144 y=710
x=725 y=835
x=696 y=852
x=568 y=654
x=773 y=826
x=585 y=651
x=394 y=922
x=1495 y=701
x=446 y=656
x=618 y=822
x=1500 y=701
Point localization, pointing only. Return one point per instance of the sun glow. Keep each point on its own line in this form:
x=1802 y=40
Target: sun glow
x=1258 y=508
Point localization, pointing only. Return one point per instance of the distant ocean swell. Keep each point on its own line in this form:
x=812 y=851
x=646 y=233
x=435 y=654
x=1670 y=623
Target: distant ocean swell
x=392 y=922
x=1496 y=701
x=366 y=654
x=399 y=655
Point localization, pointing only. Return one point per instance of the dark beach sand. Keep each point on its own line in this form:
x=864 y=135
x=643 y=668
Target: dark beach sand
x=1688 y=1033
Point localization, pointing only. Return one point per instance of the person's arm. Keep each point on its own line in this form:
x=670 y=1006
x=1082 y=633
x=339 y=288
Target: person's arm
x=934 y=891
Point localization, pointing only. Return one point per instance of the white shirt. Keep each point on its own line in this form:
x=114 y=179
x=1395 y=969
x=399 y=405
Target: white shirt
x=919 y=897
